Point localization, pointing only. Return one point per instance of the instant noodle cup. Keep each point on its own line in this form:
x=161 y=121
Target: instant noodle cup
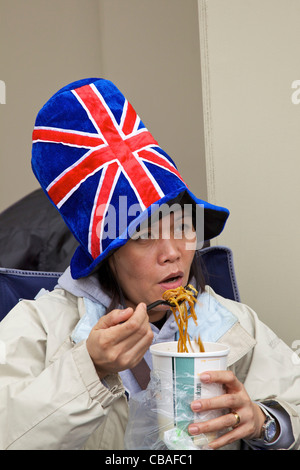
x=177 y=376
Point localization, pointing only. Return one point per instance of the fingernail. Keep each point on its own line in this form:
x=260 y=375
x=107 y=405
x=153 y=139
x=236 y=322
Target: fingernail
x=196 y=406
x=205 y=377
x=193 y=429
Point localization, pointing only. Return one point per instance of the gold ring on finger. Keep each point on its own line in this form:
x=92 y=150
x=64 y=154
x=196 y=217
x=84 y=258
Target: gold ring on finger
x=237 y=419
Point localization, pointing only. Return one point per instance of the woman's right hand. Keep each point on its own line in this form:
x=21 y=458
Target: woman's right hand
x=119 y=340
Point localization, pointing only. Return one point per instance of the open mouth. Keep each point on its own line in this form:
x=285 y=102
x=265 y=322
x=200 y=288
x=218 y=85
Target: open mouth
x=172 y=281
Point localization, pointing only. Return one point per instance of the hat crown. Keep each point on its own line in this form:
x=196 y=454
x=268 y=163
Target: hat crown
x=90 y=151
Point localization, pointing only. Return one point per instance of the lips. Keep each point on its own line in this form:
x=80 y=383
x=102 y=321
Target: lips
x=172 y=281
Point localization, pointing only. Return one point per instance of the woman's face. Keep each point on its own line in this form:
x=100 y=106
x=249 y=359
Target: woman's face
x=156 y=260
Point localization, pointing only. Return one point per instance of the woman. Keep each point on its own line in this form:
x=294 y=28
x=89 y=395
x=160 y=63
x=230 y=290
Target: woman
x=73 y=353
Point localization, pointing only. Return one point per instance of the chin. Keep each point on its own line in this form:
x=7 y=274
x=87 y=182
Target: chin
x=157 y=315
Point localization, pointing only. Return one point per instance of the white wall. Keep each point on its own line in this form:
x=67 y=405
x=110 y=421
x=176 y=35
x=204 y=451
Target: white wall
x=150 y=49
x=44 y=45
x=250 y=58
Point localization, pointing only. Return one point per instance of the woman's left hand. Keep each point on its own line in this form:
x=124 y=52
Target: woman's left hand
x=237 y=400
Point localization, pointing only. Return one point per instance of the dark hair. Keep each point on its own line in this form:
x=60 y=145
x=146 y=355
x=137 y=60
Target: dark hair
x=197 y=272
x=111 y=286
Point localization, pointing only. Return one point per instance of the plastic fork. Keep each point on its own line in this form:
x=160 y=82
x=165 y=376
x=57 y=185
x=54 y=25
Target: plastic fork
x=164 y=302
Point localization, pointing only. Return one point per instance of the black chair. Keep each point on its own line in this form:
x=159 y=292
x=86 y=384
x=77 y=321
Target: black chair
x=16 y=284
x=218 y=267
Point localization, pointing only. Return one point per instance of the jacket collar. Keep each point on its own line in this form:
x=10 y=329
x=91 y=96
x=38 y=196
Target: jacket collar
x=239 y=341
x=215 y=324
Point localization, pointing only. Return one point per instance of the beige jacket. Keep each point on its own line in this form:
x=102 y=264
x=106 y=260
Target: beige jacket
x=51 y=396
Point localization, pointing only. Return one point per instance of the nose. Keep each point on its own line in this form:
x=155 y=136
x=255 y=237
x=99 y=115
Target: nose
x=168 y=250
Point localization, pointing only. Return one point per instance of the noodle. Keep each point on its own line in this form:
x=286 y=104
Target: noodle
x=179 y=297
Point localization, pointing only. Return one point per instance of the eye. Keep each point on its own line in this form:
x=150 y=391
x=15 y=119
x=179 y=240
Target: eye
x=183 y=226
x=142 y=235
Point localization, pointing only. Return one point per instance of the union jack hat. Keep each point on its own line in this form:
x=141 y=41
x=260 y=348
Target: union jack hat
x=92 y=152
